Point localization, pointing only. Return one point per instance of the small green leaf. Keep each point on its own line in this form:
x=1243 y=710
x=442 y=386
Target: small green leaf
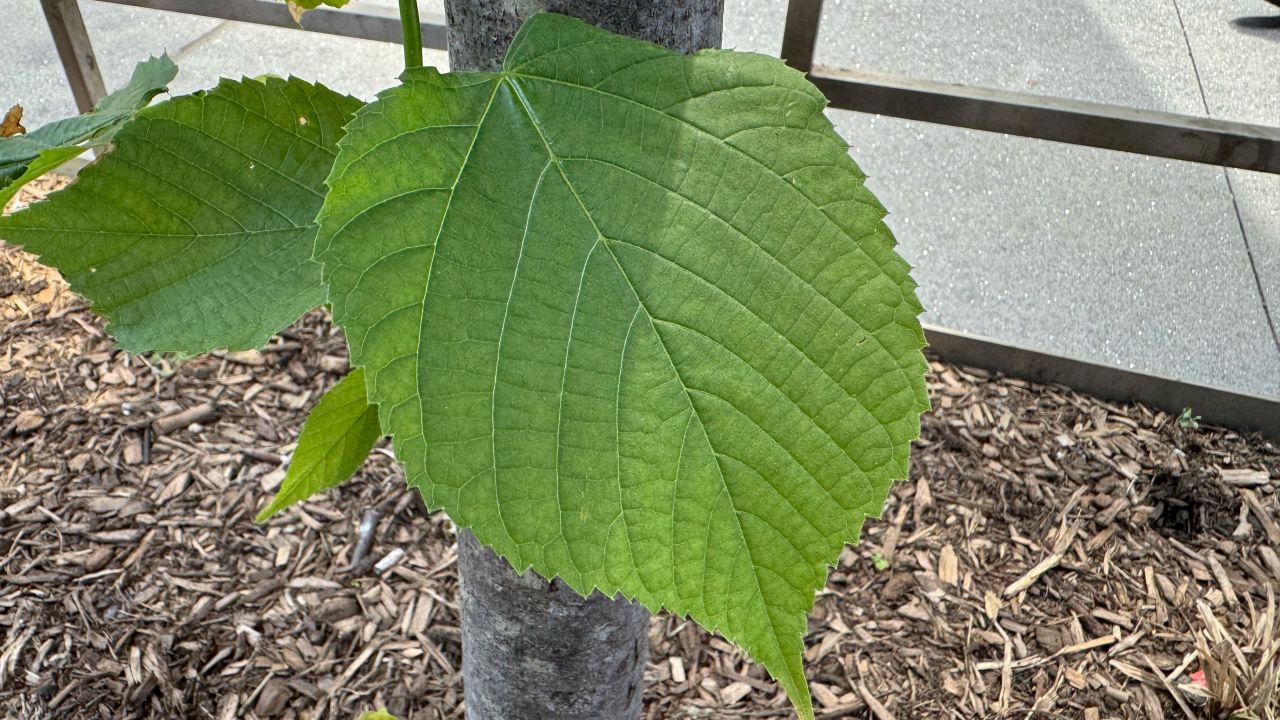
x=380 y=714
x=195 y=231
x=335 y=440
x=26 y=157
x=634 y=319
x=46 y=160
x=313 y=4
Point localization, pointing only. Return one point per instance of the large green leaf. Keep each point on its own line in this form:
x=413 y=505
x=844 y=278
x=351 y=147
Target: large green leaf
x=196 y=230
x=335 y=440
x=26 y=157
x=633 y=318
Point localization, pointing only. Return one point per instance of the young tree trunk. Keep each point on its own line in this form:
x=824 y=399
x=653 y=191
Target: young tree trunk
x=533 y=650
x=480 y=30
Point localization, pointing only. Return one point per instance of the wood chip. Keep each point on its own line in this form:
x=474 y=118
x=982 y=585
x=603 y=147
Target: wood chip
x=1042 y=567
x=677 y=669
x=1245 y=477
x=878 y=710
x=948 y=566
x=1223 y=580
x=141 y=581
x=1265 y=519
x=733 y=693
x=201 y=413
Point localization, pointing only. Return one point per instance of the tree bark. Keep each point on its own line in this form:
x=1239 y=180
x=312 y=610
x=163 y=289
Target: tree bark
x=481 y=30
x=533 y=650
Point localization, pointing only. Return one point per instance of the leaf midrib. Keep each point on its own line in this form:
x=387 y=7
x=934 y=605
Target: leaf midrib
x=720 y=142
x=843 y=312
x=508 y=77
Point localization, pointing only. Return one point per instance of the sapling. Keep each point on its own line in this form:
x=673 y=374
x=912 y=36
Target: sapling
x=628 y=315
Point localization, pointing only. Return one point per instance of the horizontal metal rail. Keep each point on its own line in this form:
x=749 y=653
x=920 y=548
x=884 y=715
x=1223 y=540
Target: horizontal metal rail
x=1214 y=405
x=1077 y=122
x=356 y=20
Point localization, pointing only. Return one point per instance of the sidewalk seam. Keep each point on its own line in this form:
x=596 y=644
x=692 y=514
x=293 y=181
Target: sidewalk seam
x=1235 y=203
x=200 y=40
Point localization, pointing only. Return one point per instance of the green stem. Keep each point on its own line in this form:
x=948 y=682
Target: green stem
x=412 y=28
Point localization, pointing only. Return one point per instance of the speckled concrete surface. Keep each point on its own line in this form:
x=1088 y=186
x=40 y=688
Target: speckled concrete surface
x=1121 y=259
x=1103 y=50
x=1104 y=256
x=1239 y=67
x=121 y=36
x=205 y=49
x=356 y=67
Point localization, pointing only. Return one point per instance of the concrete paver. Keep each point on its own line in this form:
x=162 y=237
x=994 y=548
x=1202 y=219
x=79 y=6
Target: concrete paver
x=1240 y=74
x=1258 y=195
x=1099 y=255
x=1113 y=258
x=356 y=67
x=1101 y=50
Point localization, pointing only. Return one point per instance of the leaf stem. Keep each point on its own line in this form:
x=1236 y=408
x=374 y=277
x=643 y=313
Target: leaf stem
x=412 y=28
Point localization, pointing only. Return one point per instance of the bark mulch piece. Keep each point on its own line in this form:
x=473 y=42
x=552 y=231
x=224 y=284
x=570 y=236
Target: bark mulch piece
x=1052 y=555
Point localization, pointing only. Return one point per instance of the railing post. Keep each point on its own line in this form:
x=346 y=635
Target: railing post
x=72 y=40
x=800 y=35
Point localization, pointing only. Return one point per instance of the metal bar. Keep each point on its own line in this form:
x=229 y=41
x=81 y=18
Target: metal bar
x=1077 y=122
x=800 y=35
x=1215 y=405
x=75 y=51
x=357 y=19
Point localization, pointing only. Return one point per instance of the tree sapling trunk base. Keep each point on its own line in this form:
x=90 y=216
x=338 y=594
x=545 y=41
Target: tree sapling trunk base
x=533 y=650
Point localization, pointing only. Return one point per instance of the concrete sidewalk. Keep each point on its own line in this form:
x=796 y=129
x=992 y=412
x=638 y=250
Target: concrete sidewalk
x=1154 y=265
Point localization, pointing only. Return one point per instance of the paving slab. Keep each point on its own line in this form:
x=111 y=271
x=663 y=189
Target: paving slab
x=357 y=67
x=205 y=49
x=754 y=25
x=1258 y=195
x=1239 y=66
x=1099 y=255
x=1236 y=53
x=1101 y=50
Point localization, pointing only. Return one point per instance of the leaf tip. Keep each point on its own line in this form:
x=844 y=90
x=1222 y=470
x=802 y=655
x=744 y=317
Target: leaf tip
x=267 y=512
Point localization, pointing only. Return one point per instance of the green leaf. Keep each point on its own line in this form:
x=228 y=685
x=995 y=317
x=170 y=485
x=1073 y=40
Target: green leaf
x=380 y=714
x=25 y=157
x=196 y=230
x=46 y=160
x=313 y=4
x=633 y=318
x=335 y=440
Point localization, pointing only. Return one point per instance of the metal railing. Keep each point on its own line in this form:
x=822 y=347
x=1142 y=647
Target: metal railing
x=357 y=19
x=1076 y=122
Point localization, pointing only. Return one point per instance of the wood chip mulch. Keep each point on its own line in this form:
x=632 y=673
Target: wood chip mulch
x=1052 y=556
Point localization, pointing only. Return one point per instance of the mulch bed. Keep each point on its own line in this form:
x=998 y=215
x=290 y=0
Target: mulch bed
x=1046 y=558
